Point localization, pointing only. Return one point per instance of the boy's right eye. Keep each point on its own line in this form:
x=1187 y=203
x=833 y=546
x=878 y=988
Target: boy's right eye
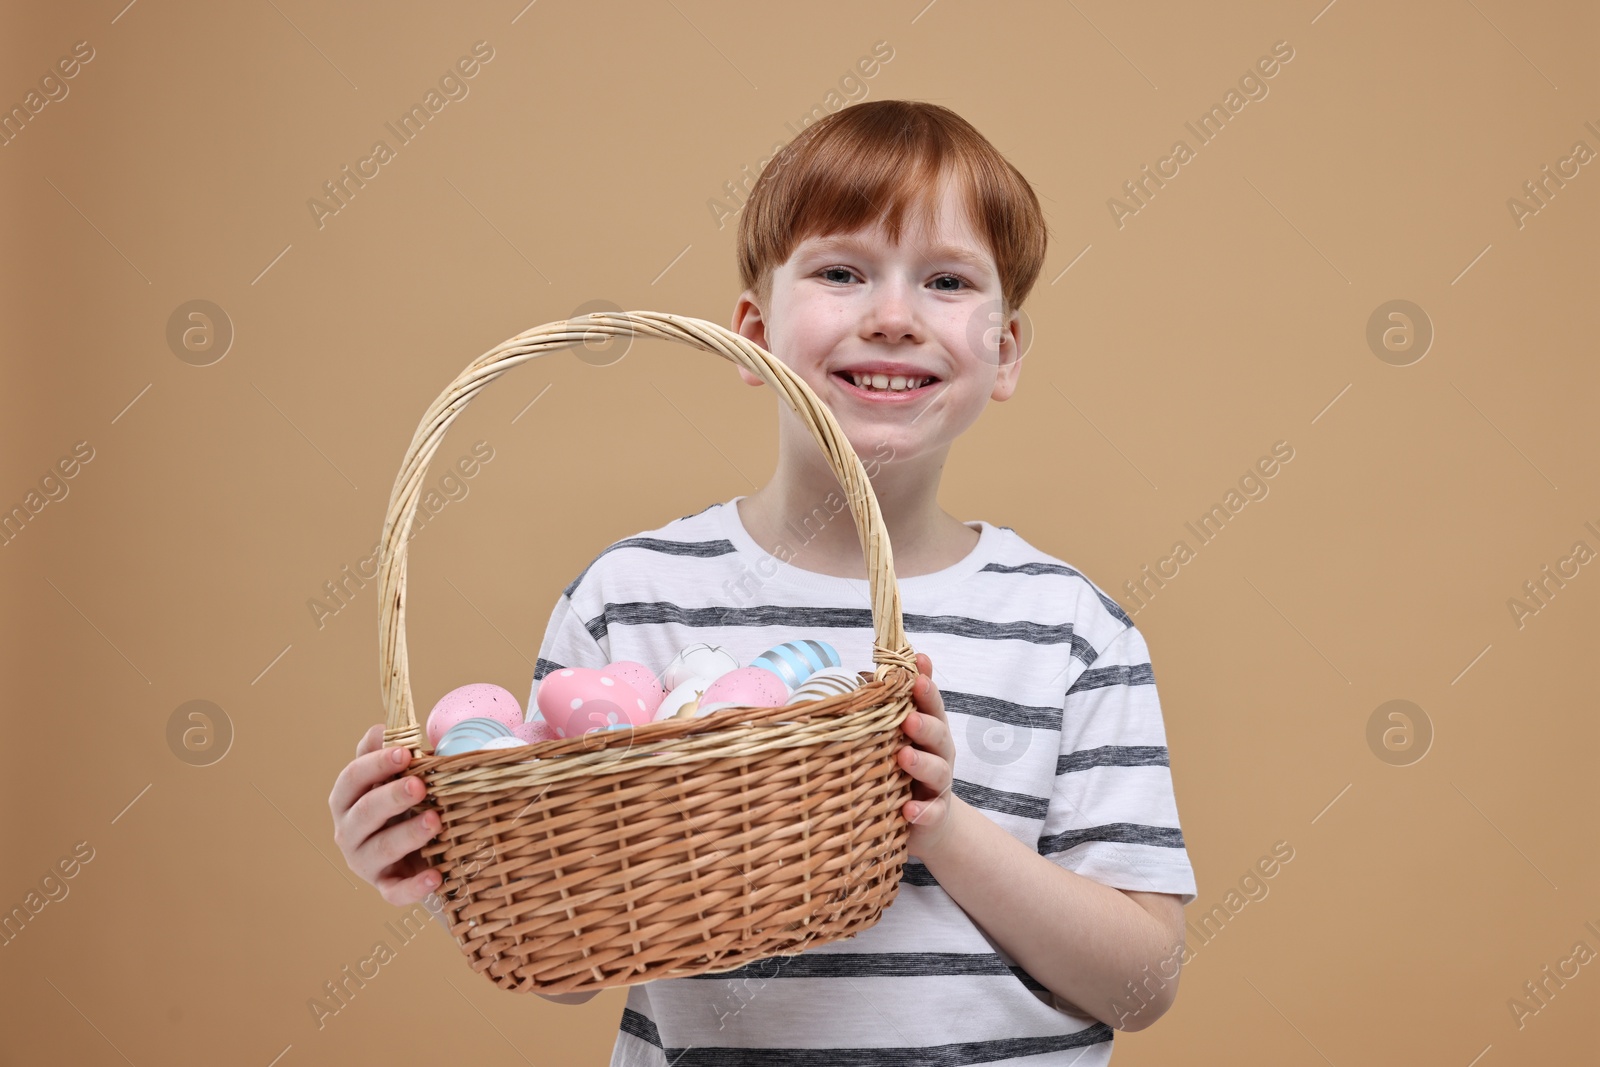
x=828 y=271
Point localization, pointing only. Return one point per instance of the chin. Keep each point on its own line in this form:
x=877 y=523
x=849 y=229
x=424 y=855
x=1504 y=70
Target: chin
x=877 y=446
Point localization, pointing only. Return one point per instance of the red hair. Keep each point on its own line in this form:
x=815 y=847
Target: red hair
x=874 y=160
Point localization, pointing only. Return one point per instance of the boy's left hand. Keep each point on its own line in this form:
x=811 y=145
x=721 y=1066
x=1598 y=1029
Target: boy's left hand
x=930 y=759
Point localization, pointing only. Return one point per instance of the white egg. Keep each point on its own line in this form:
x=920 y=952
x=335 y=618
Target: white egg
x=698 y=661
x=502 y=742
x=688 y=690
x=828 y=682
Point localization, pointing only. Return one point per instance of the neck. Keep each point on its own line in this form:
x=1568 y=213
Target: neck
x=804 y=507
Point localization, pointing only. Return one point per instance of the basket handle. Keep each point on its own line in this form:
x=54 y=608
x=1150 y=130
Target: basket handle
x=890 y=650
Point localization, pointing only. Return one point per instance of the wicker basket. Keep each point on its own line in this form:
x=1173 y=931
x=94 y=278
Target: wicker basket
x=682 y=847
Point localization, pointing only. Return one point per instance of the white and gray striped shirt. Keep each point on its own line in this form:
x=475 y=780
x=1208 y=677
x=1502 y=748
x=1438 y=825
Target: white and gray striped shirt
x=1059 y=740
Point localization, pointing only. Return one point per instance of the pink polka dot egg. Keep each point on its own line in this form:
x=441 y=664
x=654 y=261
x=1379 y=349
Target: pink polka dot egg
x=579 y=700
x=641 y=678
x=481 y=700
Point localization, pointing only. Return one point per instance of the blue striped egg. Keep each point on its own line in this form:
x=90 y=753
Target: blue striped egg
x=469 y=735
x=795 y=661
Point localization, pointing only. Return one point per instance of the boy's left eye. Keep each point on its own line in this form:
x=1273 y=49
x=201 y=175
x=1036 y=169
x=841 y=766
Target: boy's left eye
x=949 y=278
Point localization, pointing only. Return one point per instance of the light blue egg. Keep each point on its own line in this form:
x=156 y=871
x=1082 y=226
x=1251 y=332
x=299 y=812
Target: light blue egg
x=795 y=661
x=469 y=735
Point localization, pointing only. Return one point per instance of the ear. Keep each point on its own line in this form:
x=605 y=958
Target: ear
x=749 y=324
x=1005 y=382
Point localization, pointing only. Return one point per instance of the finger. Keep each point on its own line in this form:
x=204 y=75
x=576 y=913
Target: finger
x=927 y=809
x=926 y=767
x=931 y=732
x=408 y=886
x=928 y=698
x=362 y=773
x=370 y=741
x=391 y=845
x=373 y=809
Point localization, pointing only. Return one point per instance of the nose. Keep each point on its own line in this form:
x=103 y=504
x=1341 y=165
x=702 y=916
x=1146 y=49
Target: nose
x=891 y=313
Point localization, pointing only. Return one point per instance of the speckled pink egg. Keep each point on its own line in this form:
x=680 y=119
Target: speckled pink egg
x=748 y=686
x=577 y=700
x=639 y=676
x=480 y=700
x=534 y=731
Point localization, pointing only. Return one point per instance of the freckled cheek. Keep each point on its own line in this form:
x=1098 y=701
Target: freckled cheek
x=813 y=342
x=956 y=338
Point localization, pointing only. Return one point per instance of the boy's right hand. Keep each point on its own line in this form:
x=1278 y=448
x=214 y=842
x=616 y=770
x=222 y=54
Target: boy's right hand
x=369 y=825
x=378 y=842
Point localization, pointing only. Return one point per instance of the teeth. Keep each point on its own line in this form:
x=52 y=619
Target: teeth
x=898 y=383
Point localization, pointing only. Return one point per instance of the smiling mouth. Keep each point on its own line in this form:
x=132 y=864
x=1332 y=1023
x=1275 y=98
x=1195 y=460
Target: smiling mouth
x=884 y=385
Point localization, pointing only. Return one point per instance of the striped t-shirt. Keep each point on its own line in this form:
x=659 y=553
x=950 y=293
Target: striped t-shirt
x=1059 y=740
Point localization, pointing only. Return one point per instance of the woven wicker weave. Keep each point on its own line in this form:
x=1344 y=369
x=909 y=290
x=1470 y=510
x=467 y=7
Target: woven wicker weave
x=682 y=847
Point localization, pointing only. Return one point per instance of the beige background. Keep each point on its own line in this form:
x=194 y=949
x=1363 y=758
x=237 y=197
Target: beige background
x=1228 y=314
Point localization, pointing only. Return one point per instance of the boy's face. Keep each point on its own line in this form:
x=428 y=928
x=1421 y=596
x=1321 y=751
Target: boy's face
x=845 y=304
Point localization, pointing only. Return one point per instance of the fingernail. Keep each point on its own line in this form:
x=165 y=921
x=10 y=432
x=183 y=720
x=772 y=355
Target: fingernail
x=397 y=754
x=414 y=787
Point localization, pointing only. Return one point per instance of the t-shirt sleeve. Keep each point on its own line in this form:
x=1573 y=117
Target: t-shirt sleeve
x=568 y=642
x=1112 y=815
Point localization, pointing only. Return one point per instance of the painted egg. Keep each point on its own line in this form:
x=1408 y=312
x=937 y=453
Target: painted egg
x=469 y=735
x=477 y=701
x=698 y=661
x=795 y=661
x=503 y=742
x=747 y=686
x=535 y=731
x=681 y=702
x=642 y=678
x=828 y=682
x=576 y=700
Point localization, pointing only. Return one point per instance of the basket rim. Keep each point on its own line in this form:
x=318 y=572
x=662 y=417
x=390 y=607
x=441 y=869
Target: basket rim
x=874 y=707
x=892 y=654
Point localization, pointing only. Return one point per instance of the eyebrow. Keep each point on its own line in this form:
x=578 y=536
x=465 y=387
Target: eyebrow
x=959 y=254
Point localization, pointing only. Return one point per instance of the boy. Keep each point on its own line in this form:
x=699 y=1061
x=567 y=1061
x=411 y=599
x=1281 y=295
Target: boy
x=885 y=253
